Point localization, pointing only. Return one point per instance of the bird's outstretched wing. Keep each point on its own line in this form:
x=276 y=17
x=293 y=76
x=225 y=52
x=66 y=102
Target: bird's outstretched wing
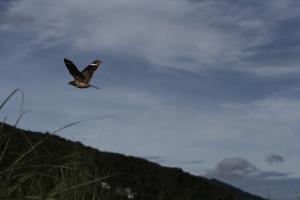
x=89 y=70
x=73 y=70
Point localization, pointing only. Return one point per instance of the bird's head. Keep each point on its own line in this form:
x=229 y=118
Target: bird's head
x=72 y=83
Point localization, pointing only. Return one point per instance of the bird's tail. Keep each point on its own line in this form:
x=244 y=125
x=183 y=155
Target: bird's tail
x=94 y=86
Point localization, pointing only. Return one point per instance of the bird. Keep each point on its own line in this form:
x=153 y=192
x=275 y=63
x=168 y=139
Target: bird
x=82 y=79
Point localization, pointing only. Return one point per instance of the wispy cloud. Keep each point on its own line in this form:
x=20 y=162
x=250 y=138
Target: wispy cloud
x=177 y=34
x=275 y=159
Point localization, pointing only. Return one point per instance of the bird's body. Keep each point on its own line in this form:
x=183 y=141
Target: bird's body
x=82 y=79
x=79 y=84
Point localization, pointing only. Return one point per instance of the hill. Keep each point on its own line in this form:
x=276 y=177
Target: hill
x=36 y=165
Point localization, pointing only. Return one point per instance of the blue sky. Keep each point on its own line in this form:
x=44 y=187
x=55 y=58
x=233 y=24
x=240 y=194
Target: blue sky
x=209 y=86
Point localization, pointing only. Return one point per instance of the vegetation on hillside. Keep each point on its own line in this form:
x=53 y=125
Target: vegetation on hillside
x=43 y=166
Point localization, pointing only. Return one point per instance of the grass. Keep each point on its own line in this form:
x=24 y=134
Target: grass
x=28 y=175
x=48 y=168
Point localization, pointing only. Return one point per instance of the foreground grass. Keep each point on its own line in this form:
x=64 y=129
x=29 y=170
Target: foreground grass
x=32 y=175
x=68 y=179
x=43 y=166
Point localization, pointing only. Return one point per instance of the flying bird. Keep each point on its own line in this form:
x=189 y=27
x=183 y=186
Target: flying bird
x=82 y=79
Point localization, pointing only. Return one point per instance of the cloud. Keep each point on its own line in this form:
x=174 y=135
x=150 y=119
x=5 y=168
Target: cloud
x=233 y=169
x=239 y=169
x=275 y=159
x=189 y=35
x=123 y=27
x=245 y=175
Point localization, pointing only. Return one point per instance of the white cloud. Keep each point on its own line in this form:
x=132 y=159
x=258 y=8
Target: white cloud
x=179 y=34
x=240 y=172
x=233 y=168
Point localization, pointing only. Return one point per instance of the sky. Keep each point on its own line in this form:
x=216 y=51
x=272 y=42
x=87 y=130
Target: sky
x=209 y=86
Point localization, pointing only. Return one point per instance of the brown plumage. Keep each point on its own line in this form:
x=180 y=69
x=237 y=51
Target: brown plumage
x=82 y=79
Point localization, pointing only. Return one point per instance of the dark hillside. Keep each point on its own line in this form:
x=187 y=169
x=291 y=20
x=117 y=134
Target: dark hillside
x=146 y=180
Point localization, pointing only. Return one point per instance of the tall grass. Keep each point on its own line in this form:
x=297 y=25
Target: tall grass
x=31 y=175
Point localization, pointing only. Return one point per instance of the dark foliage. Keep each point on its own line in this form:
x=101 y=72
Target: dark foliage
x=149 y=180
